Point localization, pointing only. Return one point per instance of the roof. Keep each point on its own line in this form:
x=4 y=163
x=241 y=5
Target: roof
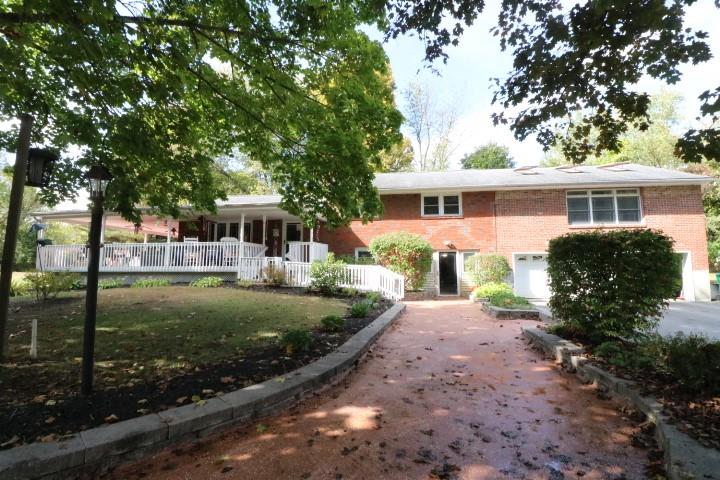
x=249 y=200
x=536 y=178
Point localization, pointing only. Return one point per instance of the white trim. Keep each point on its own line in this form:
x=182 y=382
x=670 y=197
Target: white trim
x=688 y=282
x=361 y=249
x=441 y=204
x=614 y=195
x=514 y=256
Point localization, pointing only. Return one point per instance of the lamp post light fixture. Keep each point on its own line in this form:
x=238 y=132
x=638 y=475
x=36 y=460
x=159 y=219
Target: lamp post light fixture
x=98 y=178
x=39 y=167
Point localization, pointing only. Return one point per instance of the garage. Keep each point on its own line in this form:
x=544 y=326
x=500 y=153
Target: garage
x=530 y=275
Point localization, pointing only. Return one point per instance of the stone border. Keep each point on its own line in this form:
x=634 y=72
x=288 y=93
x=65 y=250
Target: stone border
x=509 y=313
x=685 y=458
x=96 y=450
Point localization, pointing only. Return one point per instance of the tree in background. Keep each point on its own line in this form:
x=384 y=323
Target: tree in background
x=240 y=175
x=398 y=158
x=431 y=126
x=25 y=250
x=490 y=155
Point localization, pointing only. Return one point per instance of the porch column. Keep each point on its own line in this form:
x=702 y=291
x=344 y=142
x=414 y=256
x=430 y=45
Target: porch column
x=264 y=237
x=169 y=233
x=312 y=234
x=145 y=237
x=242 y=227
x=166 y=259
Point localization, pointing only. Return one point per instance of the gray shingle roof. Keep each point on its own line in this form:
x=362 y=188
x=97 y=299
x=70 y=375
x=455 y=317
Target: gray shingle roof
x=534 y=178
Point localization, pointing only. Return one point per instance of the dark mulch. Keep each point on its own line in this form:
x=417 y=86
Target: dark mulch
x=45 y=419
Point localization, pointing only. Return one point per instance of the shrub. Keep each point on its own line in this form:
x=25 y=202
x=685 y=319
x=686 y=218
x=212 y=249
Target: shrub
x=694 y=361
x=110 y=283
x=492 y=288
x=47 y=285
x=508 y=300
x=19 y=288
x=614 y=284
x=274 y=275
x=360 y=309
x=296 y=340
x=350 y=292
x=151 y=283
x=327 y=275
x=488 y=268
x=245 y=283
x=404 y=253
x=207 y=282
x=353 y=260
x=714 y=255
x=373 y=298
x=333 y=323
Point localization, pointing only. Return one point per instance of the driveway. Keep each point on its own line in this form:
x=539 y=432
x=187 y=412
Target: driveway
x=446 y=393
x=692 y=317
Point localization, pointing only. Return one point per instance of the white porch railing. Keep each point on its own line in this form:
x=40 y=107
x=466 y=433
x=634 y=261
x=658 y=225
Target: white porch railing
x=150 y=257
x=306 y=251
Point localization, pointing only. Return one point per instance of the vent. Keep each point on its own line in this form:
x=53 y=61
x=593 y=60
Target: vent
x=570 y=168
x=529 y=170
x=616 y=167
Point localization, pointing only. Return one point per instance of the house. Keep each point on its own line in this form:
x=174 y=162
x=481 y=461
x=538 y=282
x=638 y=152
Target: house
x=511 y=212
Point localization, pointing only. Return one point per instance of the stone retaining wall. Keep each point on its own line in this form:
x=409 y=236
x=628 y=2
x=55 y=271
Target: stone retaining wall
x=685 y=458
x=96 y=450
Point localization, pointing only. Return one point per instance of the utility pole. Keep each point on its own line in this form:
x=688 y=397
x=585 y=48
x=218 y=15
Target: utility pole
x=13 y=223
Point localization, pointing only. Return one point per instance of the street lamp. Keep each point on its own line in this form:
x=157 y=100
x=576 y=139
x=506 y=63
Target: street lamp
x=98 y=178
x=39 y=167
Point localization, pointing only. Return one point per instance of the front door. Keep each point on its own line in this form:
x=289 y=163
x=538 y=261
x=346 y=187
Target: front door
x=448 y=273
x=274 y=239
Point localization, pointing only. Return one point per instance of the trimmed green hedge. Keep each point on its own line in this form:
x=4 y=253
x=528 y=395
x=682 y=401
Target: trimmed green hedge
x=487 y=268
x=405 y=253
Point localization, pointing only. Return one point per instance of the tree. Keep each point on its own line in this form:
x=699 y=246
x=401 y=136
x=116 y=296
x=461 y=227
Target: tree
x=25 y=249
x=156 y=90
x=240 y=175
x=431 y=126
x=490 y=155
x=582 y=57
x=398 y=158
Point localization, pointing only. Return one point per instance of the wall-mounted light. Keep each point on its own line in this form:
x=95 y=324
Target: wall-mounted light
x=39 y=167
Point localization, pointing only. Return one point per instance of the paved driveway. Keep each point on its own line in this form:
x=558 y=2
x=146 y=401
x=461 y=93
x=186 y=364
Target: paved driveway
x=447 y=394
x=692 y=317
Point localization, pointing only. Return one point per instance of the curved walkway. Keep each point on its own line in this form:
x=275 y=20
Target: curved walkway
x=446 y=393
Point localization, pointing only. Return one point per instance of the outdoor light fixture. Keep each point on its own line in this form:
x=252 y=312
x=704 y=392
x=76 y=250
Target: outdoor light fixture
x=39 y=167
x=99 y=177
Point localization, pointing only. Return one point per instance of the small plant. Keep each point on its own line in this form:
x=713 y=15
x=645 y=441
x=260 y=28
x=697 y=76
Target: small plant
x=47 y=285
x=207 y=282
x=485 y=269
x=373 y=298
x=508 y=300
x=405 y=253
x=333 y=323
x=19 y=288
x=274 y=275
x=491 y=288
x=245 y=283
x=151 y=283
x=360 y=309
x=108 y=283
x=296 y=340
x=328 y=275
x=350 y=292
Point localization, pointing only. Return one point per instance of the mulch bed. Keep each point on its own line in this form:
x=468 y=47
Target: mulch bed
x=48 y=419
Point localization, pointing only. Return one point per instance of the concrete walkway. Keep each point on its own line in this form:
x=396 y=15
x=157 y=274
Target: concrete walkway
x=446 y=393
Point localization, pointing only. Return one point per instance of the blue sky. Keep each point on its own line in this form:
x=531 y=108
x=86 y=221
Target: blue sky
x=465 y=80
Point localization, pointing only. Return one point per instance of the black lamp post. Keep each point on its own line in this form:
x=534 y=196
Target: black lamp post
x=98 y=177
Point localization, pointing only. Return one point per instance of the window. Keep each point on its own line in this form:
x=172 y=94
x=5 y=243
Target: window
x=433 y=205
x=362 y=252
x=465 y=256
x=587 y=207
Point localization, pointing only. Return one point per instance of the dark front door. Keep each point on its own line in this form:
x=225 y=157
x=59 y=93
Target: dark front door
x=274 y=239
x=448 y=273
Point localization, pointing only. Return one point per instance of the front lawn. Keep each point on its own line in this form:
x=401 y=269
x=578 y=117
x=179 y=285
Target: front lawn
x=155 y=348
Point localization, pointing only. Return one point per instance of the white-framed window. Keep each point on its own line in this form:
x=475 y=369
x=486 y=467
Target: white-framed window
x=362 y=252
x=603 y=207
x=441 y=205
x=466 y=255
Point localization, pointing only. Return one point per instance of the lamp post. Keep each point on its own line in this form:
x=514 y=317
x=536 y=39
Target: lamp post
x=98 y=177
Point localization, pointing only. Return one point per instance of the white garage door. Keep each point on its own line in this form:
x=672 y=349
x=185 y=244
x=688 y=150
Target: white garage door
x=531 y=278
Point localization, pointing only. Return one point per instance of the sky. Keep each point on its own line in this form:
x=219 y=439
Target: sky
x=465 y=81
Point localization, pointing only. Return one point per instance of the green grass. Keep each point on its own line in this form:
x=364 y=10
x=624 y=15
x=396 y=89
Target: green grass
x=148 y=333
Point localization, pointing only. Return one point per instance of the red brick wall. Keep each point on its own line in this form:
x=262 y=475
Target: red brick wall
x=526 y=220
x=474 y=230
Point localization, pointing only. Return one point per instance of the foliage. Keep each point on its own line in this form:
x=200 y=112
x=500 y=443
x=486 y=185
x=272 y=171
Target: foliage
x=20 y=288
x=299 y=86
x=25 y=249
x=486 y=268
x=207 y=282
x=353 y=260
x=489 y=289
x=274 y=275
x=108 y=283
x=397 y=158
x=333 y=323
x=47 y=285
x=714 y=254
x=405 y=253
x=327 y=275
x=431 y=126
x=490 y=155
x=612 y=284
x=360 y=309
x=508 y=300
x=373 y=298
x=245 y=283
x=296 y=340
x=151 y=283
x=350 y=292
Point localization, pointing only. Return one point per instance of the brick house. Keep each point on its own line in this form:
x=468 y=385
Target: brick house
x=510 y=212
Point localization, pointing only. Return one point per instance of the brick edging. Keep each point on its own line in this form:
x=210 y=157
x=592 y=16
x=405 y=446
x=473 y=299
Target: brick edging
x=98 y=449
x=685 y=458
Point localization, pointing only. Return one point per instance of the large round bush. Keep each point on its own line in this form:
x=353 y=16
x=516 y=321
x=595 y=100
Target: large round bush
x=612 y=284
x=405 y=253
x=487 y=268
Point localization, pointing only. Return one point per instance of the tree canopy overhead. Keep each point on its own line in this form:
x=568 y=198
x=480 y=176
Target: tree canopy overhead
x=156 y=90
